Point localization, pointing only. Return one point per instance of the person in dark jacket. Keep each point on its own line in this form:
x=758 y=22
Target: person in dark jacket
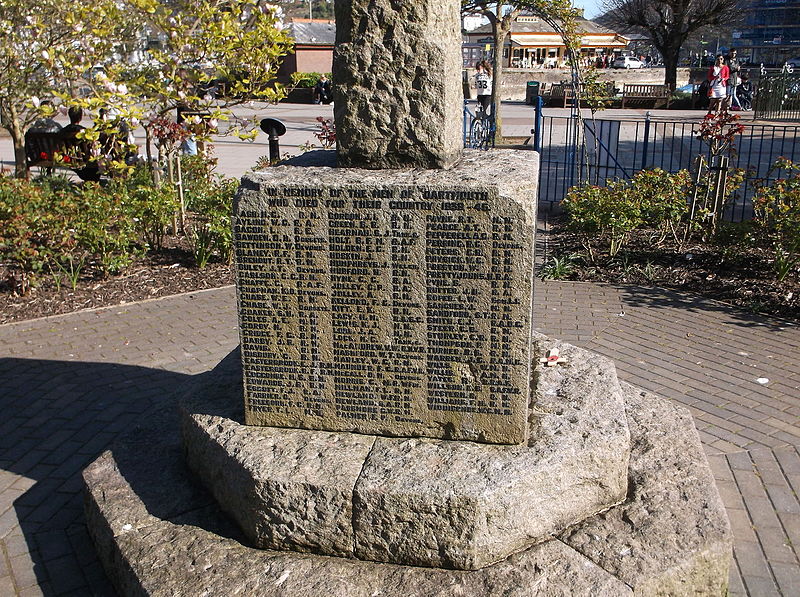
x=76 y=149
x=322 y=91
x=734 y=67
x=744 y=92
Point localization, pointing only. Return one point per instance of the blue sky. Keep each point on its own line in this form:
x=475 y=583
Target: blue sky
x=592 y=8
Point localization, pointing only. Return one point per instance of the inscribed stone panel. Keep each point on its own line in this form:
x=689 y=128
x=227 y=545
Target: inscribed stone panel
x=394 y=303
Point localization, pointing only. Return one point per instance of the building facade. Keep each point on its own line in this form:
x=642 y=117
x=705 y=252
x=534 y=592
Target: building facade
x=770 y=32
x=313 y=48
x=535 y=44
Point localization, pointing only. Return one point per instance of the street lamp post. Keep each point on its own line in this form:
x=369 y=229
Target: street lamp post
x=703 y=44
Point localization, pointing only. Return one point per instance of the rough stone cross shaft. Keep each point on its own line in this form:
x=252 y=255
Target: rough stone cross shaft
x=397 y=78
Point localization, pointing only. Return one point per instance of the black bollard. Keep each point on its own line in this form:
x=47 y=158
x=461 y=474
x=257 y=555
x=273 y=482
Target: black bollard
x=274 y=128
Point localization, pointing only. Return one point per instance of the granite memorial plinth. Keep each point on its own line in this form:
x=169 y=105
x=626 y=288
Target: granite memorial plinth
x=422 y=502
x=394 y=302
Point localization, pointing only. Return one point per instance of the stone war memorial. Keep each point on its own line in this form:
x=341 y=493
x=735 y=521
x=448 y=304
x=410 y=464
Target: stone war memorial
x=391 y=423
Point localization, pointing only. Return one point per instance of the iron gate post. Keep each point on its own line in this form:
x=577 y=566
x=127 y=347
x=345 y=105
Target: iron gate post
x=537 y=123
x=646 y=139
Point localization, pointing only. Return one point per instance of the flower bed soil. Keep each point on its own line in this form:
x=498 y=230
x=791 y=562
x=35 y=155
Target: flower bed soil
x=742 y=277
x=731 y=272
x=157 y=274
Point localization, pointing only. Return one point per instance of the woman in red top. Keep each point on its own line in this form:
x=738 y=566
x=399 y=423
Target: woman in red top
x=718 y=76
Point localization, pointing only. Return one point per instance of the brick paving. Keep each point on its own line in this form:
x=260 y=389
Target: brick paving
x=71 y=384
x=738 y=374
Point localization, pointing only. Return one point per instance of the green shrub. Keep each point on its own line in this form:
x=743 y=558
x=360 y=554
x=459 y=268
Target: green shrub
x=139 y=176
x=307 y=79
x=48 y=226
x=54 y=226
x=24 y=233
x=604 y=217
x=212 y=207
x=777 y=217
x=153 y=209
x=106 y=227
x=54 y=183
x=662 y=199
x=197 y=171
x=602 y=214
x=210 y=199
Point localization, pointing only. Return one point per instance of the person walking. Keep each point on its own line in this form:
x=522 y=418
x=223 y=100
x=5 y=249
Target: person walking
x=734 y=68
x=718 y=75
x=483 y=83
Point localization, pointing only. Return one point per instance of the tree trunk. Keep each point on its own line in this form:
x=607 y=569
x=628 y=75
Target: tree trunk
x=18 y=137
x=670 y=55
x=501 y=29
x=10 y=122
x=20 y=159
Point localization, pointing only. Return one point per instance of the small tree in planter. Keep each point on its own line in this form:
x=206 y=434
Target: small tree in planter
x=713 y=183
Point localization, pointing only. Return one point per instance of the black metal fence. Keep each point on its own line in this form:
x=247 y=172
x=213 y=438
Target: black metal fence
x=601 y=149
x=778 y=96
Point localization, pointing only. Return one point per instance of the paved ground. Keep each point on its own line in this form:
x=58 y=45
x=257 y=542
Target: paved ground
x=70 y=384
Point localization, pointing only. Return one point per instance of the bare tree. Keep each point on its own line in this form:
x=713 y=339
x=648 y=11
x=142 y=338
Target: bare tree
x=559 y=14
x=670 y=22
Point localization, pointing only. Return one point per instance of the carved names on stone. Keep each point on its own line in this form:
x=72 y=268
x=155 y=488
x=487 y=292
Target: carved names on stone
x=397 y=310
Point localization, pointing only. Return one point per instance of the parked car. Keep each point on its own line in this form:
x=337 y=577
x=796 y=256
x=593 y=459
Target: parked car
x=794 y=62
x=627 y=62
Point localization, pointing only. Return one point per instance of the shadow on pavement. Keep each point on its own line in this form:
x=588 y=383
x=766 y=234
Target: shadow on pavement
x=655 y=298
x=58 y=416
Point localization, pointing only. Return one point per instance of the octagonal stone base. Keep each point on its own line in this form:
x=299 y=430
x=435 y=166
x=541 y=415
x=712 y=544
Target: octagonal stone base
x=157 y=533
x=416 y=501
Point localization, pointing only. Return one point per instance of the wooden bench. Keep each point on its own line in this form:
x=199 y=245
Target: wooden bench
x=561 y=94
x=658 y=95
x=564 y=93
x=41 y=147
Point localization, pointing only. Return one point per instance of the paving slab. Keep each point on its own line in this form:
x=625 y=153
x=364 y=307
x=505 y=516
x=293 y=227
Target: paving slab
x=63 y=402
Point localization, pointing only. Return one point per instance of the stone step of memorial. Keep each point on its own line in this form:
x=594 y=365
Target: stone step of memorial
x=416 y=501
x=158 y=533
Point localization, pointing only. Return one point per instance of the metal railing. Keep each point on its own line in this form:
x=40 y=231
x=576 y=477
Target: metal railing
x=778 y=97
x=603 y=149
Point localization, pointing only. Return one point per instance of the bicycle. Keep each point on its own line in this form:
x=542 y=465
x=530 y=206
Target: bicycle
x=481 y=130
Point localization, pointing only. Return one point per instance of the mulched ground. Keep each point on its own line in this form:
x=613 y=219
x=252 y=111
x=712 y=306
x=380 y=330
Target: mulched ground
x=740 y=277
x=728 y=271
x=168 y=272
